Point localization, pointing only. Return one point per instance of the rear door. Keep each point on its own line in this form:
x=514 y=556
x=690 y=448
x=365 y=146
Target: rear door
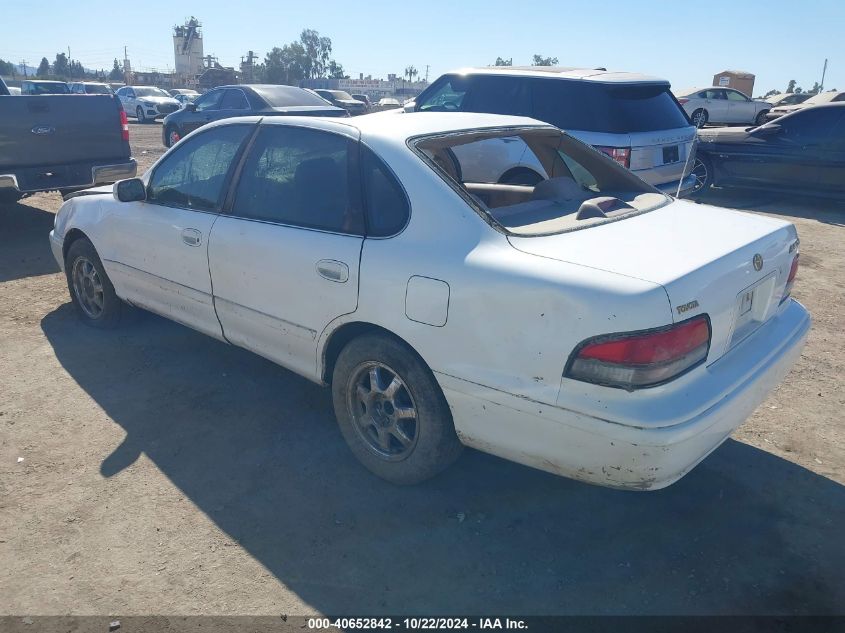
x=284 y=261
x=740 y=108
x=718 y=108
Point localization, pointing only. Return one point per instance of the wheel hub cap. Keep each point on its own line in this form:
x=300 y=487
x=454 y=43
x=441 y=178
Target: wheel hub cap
x=88 y=287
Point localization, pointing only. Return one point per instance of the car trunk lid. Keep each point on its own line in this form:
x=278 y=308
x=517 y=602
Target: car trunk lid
x=730 y=265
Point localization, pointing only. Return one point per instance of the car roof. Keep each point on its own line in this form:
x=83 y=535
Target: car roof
x=398 y=128
x=599 y=75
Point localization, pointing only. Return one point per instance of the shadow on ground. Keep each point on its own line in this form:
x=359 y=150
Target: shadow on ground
x=24 y=241
x=256 y=449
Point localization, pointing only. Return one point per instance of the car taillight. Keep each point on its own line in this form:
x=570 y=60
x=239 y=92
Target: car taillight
x=683 y=100
x=633 y=360
x=124 y=125
x=790 y=281
x=621 y=155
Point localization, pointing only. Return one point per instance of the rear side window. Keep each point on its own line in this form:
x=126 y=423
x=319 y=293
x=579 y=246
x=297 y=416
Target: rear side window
x=811 y=126
x=299 y=177
x=498 y=95
x=234 y=100
x=593 y=107
x=194 y=174
x=385 y=201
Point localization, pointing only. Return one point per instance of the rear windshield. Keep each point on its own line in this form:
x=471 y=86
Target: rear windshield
x=98 y=89
x=563 y=184
x=570 y=105
x=47 y=88
x=286 y=96
x=340 y=94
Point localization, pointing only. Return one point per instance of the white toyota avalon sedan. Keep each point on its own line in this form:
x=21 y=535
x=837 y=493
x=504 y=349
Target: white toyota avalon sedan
x=587 y=325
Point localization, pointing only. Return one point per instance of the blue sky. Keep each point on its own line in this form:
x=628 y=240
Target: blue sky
x=685 y=42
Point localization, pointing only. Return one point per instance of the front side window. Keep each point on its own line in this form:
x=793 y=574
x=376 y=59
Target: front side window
x=209 y=101
x=384 y=198
x=447 y=96
x=193 y=175
x=733 y=95
x=300 y=177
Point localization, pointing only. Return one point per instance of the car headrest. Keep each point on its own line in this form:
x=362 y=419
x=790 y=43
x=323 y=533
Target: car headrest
x=562 y=189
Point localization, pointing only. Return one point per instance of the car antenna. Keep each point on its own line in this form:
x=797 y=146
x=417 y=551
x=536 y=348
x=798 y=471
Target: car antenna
x=686 y=162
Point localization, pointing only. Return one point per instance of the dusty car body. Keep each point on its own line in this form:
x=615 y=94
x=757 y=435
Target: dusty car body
x=589 y=326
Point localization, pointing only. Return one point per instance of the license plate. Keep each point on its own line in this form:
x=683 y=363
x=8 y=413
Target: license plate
x=671 y=154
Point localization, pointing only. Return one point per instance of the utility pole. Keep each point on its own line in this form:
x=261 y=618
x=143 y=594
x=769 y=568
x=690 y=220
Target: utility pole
x=69 y=67
x=426 y=73
x=23 y=67
x=824 y=71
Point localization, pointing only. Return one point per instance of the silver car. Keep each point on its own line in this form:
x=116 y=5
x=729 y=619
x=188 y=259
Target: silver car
x=824 y=97
x=632 y=118
x=722 y=105
x=147 y=103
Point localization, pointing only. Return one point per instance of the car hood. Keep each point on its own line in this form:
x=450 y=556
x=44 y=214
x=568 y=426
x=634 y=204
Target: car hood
x=158 y=100
x=724 y=134
x=788 y=108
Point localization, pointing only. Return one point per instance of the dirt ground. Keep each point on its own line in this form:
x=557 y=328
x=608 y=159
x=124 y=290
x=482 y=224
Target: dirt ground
x=155 y=470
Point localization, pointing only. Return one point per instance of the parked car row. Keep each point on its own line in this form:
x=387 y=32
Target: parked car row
x=722 y=105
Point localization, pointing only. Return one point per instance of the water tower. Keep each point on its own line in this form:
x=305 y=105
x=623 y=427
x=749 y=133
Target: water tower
x=187 y=48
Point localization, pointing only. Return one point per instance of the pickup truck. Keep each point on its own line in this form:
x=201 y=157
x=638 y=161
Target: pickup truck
x=61 y=143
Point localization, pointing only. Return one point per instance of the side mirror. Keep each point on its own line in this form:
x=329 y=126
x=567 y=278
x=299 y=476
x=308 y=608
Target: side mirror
x=190 y=107
x=409 y=107
x=132 y=190
x=769 y=129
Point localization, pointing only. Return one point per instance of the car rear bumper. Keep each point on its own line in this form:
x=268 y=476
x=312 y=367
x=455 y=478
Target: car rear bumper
x=609 y=453
x=78 y=176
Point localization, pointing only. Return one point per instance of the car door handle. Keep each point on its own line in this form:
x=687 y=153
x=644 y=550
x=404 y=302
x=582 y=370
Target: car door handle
x=191 y=237
x=333 y=270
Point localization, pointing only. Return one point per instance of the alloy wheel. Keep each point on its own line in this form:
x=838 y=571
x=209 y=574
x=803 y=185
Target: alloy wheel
x=383 y=411
x=88 y=287
x=701 y=175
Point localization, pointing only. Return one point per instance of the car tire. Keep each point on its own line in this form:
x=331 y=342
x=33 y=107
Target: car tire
x=699 y=117
x=91 y=290
x=520 y=176
x=139 y=114
x=391 y=411
x=761 y=118
x=702 y=170
x=172 y=136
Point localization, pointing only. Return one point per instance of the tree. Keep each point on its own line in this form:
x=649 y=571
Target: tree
x=60 y=66
x=771 y=93
x=539 y=60
x=815 y=89
x=410 y=73
x=7 y=68
x=43 y=68
x=335 y=70
x=504 y=62
x=791 y=87
x=317 y=52
x=116 y=73
x=286 y=65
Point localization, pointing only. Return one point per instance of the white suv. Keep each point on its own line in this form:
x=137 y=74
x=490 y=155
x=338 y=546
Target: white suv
x=632 y=118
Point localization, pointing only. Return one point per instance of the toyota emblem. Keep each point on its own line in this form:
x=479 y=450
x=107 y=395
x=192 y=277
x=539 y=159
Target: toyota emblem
x=758 y=262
